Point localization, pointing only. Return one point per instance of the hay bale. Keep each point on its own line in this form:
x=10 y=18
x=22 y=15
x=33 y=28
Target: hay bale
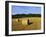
x=24 y=22
x=20 y=21
x=16 y=20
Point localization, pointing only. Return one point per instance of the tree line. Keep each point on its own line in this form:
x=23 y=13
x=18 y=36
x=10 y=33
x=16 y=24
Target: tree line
x=26 y=15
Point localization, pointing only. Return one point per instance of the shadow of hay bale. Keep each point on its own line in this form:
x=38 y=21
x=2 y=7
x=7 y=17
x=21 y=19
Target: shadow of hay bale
x=28 y=22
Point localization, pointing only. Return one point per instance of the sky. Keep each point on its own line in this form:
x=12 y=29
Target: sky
x=25 y=10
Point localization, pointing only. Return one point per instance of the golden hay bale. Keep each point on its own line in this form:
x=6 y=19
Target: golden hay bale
x=16 y=20
x=24 y=22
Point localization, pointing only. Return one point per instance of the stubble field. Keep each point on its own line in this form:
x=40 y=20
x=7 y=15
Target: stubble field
x=23 y=24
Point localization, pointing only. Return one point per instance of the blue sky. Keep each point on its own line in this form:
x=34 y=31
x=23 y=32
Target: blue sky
x=25 y=10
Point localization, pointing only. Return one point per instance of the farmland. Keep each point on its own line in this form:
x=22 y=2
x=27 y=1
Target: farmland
x=22 y=24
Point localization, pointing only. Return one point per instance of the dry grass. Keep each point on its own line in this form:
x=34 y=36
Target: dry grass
x=36 y=24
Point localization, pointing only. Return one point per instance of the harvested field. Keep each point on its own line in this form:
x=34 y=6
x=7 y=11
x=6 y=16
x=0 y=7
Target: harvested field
x=22 y=24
